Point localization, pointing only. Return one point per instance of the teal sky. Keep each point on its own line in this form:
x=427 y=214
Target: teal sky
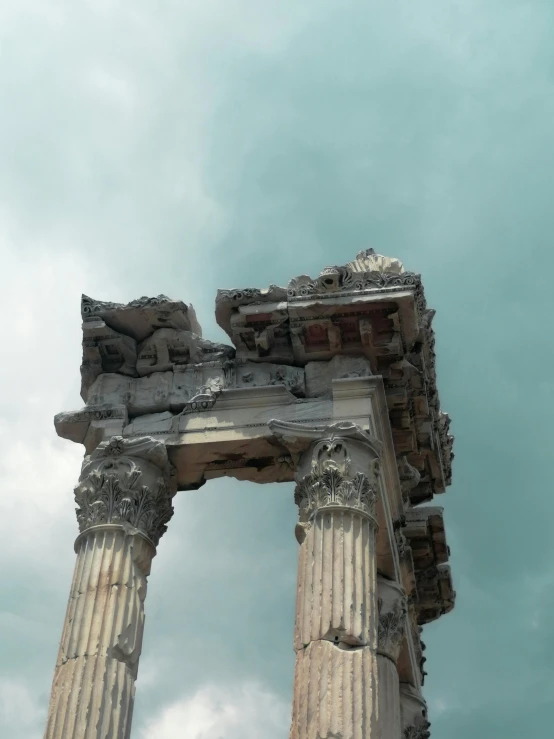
x=185 y=145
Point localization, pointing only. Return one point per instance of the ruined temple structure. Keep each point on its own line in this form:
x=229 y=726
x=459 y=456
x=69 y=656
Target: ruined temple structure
x=330 y=384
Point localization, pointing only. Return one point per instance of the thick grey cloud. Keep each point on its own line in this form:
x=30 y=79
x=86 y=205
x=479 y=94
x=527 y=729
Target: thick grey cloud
x=195 y=145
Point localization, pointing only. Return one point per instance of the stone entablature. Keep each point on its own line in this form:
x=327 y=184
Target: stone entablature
x=372 y=308
x=330 y=383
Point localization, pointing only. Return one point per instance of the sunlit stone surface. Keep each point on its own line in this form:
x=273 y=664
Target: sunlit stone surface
x=330 y=383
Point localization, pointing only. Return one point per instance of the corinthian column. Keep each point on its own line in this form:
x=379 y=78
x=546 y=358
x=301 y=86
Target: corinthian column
x=392 y=619
x=124 y=502
x=335 y=638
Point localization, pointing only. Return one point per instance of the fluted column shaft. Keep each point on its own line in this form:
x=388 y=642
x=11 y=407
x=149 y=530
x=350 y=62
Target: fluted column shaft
x=335 y=637
x=102 y=637
x=124 y=503
x=336 y=593
x=335 y=631
x=392 y=620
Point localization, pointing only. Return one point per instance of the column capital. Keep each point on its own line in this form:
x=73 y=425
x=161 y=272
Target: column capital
x=298 y=437
x=129 y=483
x=337 y=466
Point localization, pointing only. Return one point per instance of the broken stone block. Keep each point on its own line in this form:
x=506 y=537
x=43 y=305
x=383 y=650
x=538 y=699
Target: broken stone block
x=140 y=318
x=319 y=375
x=105 y=350
x=167 y=349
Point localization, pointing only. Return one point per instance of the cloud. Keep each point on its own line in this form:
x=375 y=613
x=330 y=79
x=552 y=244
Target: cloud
x=208 y=143
x=19 y=716
x=244 y=711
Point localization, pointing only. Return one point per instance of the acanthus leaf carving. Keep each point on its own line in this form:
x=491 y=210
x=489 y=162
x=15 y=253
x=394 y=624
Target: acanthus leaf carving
x=420 y=731
x=393 y=612
x=123 y=483
x=391 y=629
x=330 y=488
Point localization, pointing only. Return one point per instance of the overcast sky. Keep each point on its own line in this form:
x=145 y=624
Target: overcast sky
x=179 y=146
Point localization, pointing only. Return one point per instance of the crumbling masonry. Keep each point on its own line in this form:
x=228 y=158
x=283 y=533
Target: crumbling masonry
x=330 y=383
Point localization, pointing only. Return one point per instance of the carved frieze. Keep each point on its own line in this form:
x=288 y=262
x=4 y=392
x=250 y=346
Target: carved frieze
x=126 y=482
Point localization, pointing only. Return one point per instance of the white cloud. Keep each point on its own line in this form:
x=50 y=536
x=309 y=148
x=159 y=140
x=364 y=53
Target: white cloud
x=19 y=716
x=245 y=711
x=39 y=375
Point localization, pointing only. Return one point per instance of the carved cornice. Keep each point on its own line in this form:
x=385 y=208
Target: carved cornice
x=344 y=279
x=126 y=482
x=90 y=306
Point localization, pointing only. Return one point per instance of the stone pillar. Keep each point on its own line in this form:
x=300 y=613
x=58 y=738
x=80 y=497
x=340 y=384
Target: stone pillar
x=413 y=711
x=335 y=638
x=124 y=502
x=392 y=620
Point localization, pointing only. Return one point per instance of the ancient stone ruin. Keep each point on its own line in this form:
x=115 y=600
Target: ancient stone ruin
x=330 y=383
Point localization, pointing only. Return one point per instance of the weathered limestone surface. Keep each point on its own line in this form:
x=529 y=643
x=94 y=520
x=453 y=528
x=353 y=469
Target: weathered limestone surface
x=335 y=693
x=124 y=503
x=336 y=606
x=414 y=713
x=94 y=681
x=330 y=382
x=369 y=308
x=392 y=624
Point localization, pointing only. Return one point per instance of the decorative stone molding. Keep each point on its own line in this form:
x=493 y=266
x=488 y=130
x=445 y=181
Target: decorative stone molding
x=126 y=482
x=372 y=308
x=368 y=271
x=391 y=629
x=392 y=617
x=417 y=732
